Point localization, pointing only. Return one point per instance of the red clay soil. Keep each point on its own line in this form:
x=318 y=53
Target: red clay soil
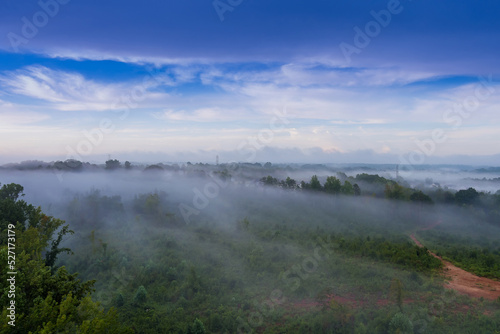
x=466 y=283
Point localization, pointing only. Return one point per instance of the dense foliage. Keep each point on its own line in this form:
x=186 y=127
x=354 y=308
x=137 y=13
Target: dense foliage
x=406 y=253
x=366 y=277
x=45 y=299
x=480 y=258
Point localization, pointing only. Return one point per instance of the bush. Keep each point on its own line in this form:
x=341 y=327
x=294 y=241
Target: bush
x=141 y=295
x=400 y=324
x=196 y=327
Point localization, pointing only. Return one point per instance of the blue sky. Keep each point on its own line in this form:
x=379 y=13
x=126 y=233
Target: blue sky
x=317 y=81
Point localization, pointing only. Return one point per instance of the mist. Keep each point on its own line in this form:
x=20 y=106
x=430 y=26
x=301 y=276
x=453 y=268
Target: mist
x=237 y=235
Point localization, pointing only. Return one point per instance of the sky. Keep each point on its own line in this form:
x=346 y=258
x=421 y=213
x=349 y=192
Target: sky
x=409 y=82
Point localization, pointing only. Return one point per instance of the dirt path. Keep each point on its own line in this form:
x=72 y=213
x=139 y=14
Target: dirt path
x=466 y=283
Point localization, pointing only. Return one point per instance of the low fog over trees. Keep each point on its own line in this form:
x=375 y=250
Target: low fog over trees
x=266 y=248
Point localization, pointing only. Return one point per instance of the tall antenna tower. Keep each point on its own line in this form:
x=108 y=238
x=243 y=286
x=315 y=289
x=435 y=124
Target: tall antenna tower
x=217 y=160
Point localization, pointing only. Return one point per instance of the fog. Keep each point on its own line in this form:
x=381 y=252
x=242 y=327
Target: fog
x=206 y=198
x=221 y=232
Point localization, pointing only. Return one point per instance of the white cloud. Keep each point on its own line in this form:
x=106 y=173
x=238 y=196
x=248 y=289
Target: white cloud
x=302 y=72
x=71 y=91
x=310 y=74
x=332 y=109
x=208 y=114
x=461 y=102
x=129 y=59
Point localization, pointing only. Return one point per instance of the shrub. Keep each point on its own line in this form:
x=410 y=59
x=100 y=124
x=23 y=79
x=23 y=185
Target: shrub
x=401 y=324
x=141 y=295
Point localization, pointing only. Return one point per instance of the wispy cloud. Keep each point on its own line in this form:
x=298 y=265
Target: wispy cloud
x=217 y=106
x=199 y=115
x=67 y=91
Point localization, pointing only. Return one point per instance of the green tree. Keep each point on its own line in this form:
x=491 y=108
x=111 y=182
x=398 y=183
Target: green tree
x=113 y=164
x=51 y=255
x=46 y=300
x=17 y=212
x=196 y=327
x=68 y=165
x=140 y=295
x=11 y=191
x=394 y=191
x=333 y=185
x=357 y=190
x=269 y=181
x=369 y=178
x=12 y=210
x=347 y=188
x=315 y=184
x=400 y=323
x=290 y=183
x=74 y=164
x=466 y=197
x=420 y=197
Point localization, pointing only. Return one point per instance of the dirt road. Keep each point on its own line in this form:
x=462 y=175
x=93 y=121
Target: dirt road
x=465 y=282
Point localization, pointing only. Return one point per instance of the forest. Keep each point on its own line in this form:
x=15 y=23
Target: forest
x=243 y=248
